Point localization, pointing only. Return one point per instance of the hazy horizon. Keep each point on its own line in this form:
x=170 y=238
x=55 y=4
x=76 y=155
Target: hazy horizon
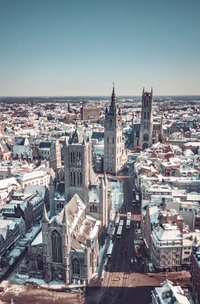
x=66 y=48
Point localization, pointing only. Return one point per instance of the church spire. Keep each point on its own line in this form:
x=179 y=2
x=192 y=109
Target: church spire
x=113 y=100
x=45 y=218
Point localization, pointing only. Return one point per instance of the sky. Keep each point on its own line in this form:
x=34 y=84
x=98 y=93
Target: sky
x=77 y=47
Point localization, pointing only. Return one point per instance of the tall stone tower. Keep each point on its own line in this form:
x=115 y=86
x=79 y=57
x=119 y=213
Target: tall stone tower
x=113 y=142
x=146 y=125
x=79 y=173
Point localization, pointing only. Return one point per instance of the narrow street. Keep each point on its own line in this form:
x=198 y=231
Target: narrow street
x=125 y=279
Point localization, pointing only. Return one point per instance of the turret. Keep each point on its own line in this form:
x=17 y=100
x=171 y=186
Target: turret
x=45 y=218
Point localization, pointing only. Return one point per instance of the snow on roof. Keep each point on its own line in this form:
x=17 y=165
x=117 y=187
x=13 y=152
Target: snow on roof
x=8 y=182
x=93 y=195
x=167 y=232
x=37 y=240
x=168 y=293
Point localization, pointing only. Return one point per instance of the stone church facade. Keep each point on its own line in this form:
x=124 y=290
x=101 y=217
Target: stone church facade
x=147 y=131
x=67 y=248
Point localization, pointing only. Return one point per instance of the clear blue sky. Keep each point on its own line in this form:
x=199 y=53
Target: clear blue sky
x=76 y=47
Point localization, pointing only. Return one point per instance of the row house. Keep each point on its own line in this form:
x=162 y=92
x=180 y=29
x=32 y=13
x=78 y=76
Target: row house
x=11 y=231
x=37 y=177
x=30 y=209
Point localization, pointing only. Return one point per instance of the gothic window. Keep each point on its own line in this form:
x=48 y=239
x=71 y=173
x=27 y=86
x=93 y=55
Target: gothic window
x=113 y=140
x=108 y=140
x=56 y=247
x=93 y=208
x=144 y=115
x=148 y=115
x=78 y=158
x=74 y=178
x=81 y=178
x=39 y=262
x=71 y=178
x=78 y=178
x=147 y=103
x=75 y=266
x=145 y=137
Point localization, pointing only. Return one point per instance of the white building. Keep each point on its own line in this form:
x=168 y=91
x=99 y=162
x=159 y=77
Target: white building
x=169 y=294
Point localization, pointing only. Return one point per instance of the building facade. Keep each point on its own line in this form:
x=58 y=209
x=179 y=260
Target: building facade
x=67 y=248
x=146 y=125
x=113 y=141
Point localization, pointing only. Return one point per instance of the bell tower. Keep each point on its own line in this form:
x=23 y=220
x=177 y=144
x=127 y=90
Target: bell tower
x=146 y=125
x=113 y=146
x=79 y=173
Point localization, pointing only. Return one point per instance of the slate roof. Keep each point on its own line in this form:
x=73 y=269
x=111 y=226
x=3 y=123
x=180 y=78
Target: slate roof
x=44 y=144
x=97 y=135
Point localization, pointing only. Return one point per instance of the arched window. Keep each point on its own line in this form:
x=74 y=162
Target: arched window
x=39 y=262
x=56 y=247
x=144 y=115
x=145 y=137
x=78 y=158
x=71 y=157
x=75 y=266
x=71 y=178
x=93 y=208
x=81 y=181
x=74 y=179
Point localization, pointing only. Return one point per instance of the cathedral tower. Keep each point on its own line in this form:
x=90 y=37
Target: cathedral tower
x=146 y=125
x=79 y=173
x=113 y=142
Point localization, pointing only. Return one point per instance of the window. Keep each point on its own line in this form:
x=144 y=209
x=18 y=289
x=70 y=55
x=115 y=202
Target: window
x=78 y=158
x=39 y=262
x=93 y=208
x=75 y=266
x=145 y=137
x=144 y=115
x=56 y=247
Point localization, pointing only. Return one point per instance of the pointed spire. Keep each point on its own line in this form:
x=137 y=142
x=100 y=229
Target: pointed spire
x=45 y=218
x=113 y=97
x=113 y=101
x=151 y=91
x=143 y=91
x=64 y=219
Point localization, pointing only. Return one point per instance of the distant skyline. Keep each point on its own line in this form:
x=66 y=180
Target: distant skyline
x=78 y=48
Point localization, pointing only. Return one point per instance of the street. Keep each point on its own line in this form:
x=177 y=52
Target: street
x=125 y=280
